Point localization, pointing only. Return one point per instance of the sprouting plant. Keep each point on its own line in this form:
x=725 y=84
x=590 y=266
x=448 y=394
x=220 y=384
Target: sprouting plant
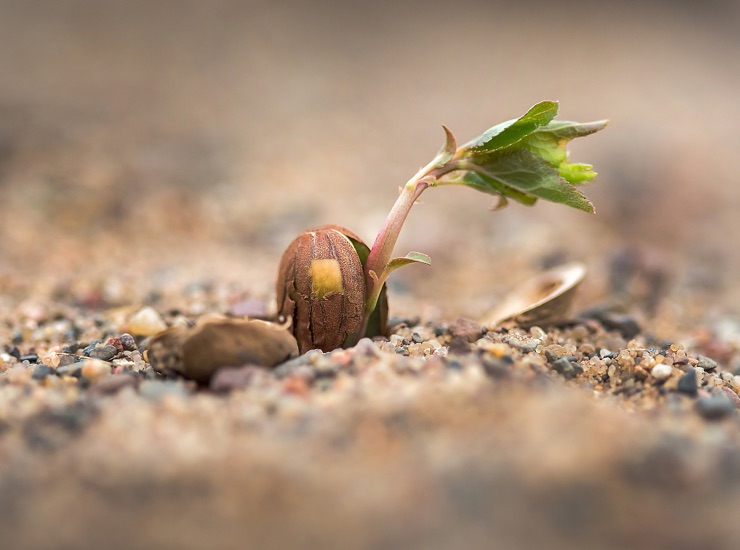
x=333 y=286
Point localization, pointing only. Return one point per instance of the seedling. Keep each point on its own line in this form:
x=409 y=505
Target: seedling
x=333 y=286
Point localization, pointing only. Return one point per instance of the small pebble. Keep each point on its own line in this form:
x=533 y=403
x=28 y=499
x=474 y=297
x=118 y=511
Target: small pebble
x=88 y=349
x=466 y=328
x=104 y=353
x=687 y=384
x=146 y=322
x=706 y=363
x=523 y=344
x=715 y=407
x=94 y=369
x=563 y=366
x=41 y=372
x=459 y=346
x=128 y=342
x=661 y=371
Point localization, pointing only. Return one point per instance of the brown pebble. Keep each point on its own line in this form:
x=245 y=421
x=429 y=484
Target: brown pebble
x=459 y=345
x=466 y=328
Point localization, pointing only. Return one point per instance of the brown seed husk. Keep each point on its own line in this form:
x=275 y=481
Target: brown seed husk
x=197 y=353
x=326 y=311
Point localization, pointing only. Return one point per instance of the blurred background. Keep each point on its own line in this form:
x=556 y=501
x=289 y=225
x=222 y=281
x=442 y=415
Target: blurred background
x=153 y=143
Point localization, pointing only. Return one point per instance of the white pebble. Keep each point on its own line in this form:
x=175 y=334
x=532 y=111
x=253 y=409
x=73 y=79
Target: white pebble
x=146 y=322
x=661 y=371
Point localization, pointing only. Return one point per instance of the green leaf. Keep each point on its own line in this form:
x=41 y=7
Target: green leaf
x=363 y=251
x=527 y=172
x=510 y=132
x=410 y=258
x=570 y=130
x=576 y=174
x=377 y=324
x=485 y=184
x=550 y=142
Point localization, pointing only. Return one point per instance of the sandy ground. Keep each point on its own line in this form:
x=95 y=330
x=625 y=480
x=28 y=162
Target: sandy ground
x=165 y=153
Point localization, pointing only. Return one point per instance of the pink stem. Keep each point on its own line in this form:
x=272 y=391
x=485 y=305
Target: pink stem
x=385 y=242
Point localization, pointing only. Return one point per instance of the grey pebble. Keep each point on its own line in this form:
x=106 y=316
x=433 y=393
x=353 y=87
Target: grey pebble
x=525 y=345
x=416 y=338
x=564 y=367
x=714 y=407
x=88 y=349
x=41 y=372
x=104 y=353
x=687 y=384
x=706 y=363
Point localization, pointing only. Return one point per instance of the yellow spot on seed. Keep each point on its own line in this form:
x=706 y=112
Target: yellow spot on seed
x=326 y=278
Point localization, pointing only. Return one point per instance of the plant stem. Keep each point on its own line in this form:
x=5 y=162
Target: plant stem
x=382 y=250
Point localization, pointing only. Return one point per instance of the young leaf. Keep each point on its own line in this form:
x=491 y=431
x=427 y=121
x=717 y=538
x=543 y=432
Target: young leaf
x=377 y=324
x=485 y=184
x=508 y=133
x=410 y=258
x=550 y=142
x=564 y=129
x=524 y=171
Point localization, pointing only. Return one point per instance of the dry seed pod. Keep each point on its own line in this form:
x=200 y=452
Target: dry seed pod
x=197 y=353
x=321 y=287
x=542 y=300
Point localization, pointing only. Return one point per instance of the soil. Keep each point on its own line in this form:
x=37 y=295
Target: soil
x=155 y=160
